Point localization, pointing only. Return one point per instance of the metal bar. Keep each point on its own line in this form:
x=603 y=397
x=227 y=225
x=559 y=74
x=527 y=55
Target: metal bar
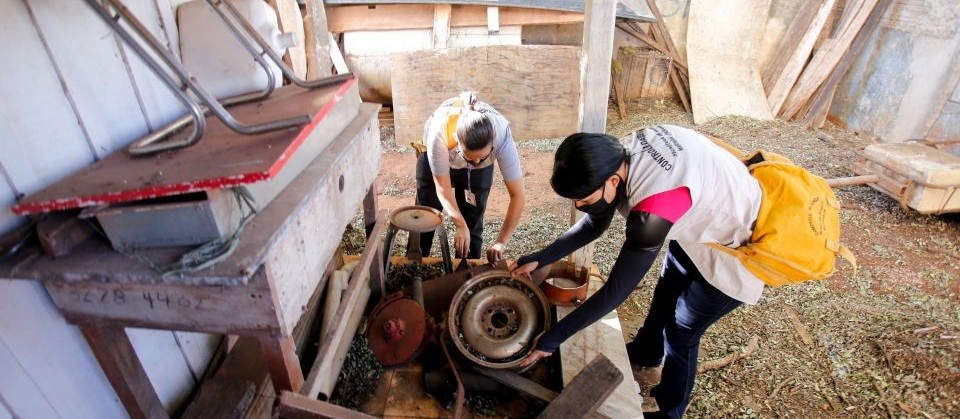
x=205 y=97
x=195 y=111
x=265 y=47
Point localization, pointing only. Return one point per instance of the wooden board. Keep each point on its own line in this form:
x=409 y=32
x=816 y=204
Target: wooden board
x=195 y=308
x=794 y=51
x=273 y=235
x=295 y=406
x=120 y=363
x=239 y=160
x=603 y=337
x=535 y=87
x=291 y=21
x=723 y=59
x=643 y=73
x=637 y=12
x=587 y=391
x=420 y=16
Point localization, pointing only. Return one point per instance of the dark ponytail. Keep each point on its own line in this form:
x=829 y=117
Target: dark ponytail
x=583 y=162
x=474 y=129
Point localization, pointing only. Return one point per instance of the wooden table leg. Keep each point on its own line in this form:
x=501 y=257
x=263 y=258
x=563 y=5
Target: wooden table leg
x=282 y=362
x=370 y=207
x=120 y=363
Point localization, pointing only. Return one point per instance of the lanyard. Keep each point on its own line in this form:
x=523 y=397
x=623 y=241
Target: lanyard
x=469 y=169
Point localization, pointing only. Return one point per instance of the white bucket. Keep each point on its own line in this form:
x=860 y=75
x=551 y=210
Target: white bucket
x=215 y=58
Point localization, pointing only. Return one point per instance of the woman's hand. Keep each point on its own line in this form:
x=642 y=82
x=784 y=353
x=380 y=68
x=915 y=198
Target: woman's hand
x=532 y=358
x=495 y=252
x=461 y=241
x=524 y=270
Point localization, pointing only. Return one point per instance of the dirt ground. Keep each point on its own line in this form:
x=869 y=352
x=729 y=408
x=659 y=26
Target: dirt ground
x=883 y=343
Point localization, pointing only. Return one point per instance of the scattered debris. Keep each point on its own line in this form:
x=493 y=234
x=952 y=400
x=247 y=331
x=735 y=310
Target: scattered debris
x=730 y=359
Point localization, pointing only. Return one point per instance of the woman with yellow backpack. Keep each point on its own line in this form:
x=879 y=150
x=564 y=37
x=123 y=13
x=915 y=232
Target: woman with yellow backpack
x=674 y=185
x=462 y=140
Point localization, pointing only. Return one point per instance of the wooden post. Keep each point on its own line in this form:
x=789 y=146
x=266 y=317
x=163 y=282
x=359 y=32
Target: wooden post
x=120 y=364
x=598 y=27
x=441 y=25
x=318 y=60
x=282 y=362
x=334 y=344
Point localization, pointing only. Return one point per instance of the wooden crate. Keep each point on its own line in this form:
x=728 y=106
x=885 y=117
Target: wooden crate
x=920 y=177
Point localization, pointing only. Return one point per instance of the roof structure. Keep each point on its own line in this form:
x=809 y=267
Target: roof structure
x=565 y=5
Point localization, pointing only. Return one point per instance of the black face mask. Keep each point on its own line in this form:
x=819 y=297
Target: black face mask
x=602 y=207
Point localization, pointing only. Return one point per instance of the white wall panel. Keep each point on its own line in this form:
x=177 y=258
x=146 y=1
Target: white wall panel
x=39 y=133
x=54 y=355
x=94 y=73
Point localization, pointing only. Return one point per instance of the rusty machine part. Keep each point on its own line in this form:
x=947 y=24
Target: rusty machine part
x=565 y=285
x=494 y=318
x=400 y=329
x=416 y=219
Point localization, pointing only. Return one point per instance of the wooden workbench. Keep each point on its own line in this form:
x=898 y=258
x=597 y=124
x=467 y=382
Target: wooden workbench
x=261 y=290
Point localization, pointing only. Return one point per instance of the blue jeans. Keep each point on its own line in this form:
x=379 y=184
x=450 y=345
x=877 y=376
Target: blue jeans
x=684 y=306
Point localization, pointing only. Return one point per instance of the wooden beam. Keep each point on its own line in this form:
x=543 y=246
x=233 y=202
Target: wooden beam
x=518 y=382
x=318 y=63
x=826 y=58
x=61 y=232
x=493 y=19
x=600 y=17
x=587 y=392
x=291 y=21
x=119 y=361
x=221 y=398
x=441 y=25
x=280 y=354
x=794 y=50
x=330 y=356
x=420 y=16
x=339 y=64
x=296 y=406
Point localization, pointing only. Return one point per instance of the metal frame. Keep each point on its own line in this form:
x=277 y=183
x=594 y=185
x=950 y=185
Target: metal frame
x=155 y=141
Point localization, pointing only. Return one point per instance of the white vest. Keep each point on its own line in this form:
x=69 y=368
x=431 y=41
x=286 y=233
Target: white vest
x=725 y=200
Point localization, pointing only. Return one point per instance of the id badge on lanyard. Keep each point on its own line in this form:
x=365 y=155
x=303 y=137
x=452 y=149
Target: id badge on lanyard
x=468 y=194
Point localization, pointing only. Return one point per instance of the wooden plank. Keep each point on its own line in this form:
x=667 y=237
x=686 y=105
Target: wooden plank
x=518 y=382
x=241 y=159
x=794 y=51
x=823 y=97
x=59 y=233
x=336 y=55
x=221 y=398
x=598 y=27
x=291 y=21
x=326 y=197
x=602 y=337
x=826 y=58
x=296 y=406
x=330 y=357
x=638 y=13
x=724 y=60
x=190 y=308
x=280 y=355
x=120 y=363
x=441 y=25
x=420 y=16
x=586 y=392
x=318 y=56
x=534 y=86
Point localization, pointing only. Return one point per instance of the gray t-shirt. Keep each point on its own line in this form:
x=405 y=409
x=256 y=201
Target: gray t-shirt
x=442 y=159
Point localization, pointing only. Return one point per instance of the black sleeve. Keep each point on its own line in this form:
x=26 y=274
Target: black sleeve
x=645 y=235
x=582 y=233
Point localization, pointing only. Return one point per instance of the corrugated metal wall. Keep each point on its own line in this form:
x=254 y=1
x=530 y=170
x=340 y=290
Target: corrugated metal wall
x=70 y=94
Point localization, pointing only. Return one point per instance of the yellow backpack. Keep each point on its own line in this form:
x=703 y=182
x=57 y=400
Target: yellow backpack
x=797 y=235
x=450 y=127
